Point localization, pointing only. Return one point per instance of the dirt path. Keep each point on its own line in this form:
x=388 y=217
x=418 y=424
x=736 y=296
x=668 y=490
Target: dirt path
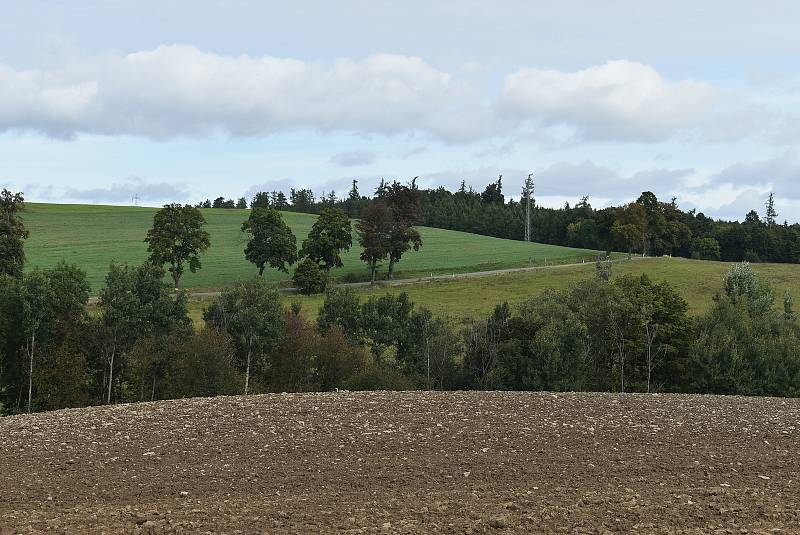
x=416 y=280
x=407 y=463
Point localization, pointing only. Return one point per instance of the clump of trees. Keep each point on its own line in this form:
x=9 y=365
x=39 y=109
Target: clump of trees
x=385 y=232
x=618 y=334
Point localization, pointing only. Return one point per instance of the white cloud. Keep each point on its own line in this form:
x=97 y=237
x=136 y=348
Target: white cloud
x=619 y=100
x=179 y=90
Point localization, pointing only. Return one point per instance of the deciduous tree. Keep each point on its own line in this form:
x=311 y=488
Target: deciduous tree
x=270 y=240
x=177 y=238
x=330 y=234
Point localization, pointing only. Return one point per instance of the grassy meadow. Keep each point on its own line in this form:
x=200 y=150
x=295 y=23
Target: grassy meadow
x=463 y=299
x=92 y=236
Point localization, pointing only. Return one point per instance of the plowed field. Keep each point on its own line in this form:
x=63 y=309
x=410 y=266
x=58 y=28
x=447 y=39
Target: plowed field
x=416 y=462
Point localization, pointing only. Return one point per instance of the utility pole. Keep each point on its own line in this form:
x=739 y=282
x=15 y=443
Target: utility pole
x=527 y=194
x=136 y=200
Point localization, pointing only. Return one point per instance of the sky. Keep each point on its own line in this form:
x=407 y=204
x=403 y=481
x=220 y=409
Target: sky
x=179 y=101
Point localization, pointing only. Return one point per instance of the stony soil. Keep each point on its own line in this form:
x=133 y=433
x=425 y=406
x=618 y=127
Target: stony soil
x=407 y=463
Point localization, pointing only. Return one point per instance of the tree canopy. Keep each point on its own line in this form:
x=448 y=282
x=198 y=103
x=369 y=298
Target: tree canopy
x=270 y=240
x=177 y=238
x=330 y=234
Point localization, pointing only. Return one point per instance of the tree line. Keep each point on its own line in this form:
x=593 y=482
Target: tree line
x=618 y=334
x=647 y=226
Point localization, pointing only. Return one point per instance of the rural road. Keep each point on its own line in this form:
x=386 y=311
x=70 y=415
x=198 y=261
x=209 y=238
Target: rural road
x=417 y=280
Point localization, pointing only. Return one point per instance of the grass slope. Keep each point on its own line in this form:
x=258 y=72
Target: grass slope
x=92 y=236
x=697 y=281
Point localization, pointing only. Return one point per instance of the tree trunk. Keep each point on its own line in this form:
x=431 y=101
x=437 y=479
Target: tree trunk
x=372 y=267
x=247 y=373
x=261 y=270
x=111 y=374
x=153 y=389
x=176 y=276
x=30 y=373
x=390 y=272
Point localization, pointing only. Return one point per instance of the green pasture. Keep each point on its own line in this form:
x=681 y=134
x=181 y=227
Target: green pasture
x=92 y=236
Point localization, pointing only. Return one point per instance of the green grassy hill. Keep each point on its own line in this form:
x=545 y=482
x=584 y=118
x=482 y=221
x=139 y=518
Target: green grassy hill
x=696 y=281
x=92 y=236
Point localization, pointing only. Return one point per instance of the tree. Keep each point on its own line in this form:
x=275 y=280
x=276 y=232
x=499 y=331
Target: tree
x=177 y=238
x=38 y=313
x=330 y=234
x=308 y=278
x=374 y=230
x=493 y=194
x=527 y=199
x=270 y=240
x=218 y=202
x=119 y=318
x=742 y=285
x=12 y=234
x=353 y=201
x=706 y=248
x=341 y=309
x=629 y=230
x=261 y=200
x=241 y=203
x=386 y=321
x=403 y=204
x=251 y=314
x=302 y=200
x=204 y=366
x=772 y=214
x=137 y=309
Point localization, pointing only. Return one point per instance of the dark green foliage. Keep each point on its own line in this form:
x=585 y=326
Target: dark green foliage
x=374 y=230
x=403 y=203
x=706 y=248
x=251 y=314
x=241 y=203
x=261 y=200
x=137 y=328
x=627 y=334
x=330 y=235
x=177 y=238
x=309 y=278
x=43 y=324
x=270 y=240
x=341 y=309
x=386 y=321
x=12 y=234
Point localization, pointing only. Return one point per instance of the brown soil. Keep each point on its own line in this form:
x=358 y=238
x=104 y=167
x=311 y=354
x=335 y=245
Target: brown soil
x=407 y=463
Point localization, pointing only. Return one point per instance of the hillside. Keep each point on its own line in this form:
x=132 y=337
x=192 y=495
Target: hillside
x=413 y=462
x=696 y=281
x=91 y=236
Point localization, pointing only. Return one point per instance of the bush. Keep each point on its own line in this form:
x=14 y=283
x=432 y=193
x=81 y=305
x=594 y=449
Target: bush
x=309 y=278
x=380 y=377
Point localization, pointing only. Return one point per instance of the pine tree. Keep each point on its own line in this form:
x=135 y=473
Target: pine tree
x=772 y=215
x=527 y=199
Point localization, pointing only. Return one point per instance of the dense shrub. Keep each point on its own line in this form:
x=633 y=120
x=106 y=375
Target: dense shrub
x=309 y=278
